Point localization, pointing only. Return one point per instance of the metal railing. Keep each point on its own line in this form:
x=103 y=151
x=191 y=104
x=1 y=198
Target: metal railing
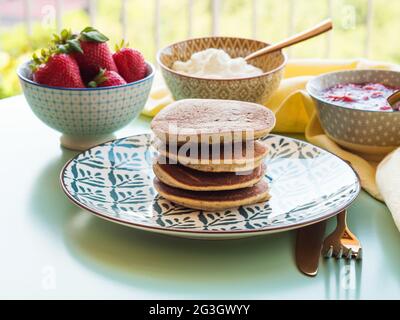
x=215 y=18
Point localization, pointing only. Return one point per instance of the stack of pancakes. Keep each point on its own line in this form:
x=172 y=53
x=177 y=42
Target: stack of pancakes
x=209 y=154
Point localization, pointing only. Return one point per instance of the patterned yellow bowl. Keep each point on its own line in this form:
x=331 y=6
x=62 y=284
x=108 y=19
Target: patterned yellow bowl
x=253 y=89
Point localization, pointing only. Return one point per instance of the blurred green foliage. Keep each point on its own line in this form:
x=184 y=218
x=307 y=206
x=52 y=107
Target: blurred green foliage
x=347 y=41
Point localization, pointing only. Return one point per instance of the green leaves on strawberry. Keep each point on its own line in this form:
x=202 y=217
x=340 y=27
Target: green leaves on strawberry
x=38 y=60
x=69 y=42
x=90 y=50
x=73 y=45
x=106 y=78
x=92 y=34
x=66 y=41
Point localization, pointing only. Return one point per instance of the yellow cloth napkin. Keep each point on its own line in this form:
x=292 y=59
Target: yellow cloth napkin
x=295 y=112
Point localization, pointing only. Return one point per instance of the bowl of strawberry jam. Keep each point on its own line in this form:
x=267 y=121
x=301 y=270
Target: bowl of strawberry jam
x=353 y=109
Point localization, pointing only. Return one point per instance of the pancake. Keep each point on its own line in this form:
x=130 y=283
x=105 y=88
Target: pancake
x=235 y=154
x=214 y=200
x=212 y=121
x=178 y=176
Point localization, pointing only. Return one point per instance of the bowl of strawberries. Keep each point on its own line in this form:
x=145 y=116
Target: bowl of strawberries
x=82 y=89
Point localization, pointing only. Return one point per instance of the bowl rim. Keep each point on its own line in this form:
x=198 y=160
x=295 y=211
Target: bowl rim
x=159 y=52
x=332 y=104
x=25 y=79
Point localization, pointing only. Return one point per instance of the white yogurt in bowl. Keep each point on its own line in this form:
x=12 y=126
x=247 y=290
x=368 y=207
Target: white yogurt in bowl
x=216 y=64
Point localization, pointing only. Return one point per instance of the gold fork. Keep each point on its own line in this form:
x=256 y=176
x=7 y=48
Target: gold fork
x=342 y=242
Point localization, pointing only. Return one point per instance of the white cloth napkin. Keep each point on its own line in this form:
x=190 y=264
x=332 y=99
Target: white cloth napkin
x=388 y=181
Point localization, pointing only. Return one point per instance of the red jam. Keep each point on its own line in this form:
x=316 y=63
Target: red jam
x=363 y=96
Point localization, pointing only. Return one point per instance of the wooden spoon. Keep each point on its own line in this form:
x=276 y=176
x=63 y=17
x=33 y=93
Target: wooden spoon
x=394 y=100
x=320 y=28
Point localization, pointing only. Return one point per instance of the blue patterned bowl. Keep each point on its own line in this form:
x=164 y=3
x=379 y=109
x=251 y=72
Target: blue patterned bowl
x=86 y=116
x=367 y=132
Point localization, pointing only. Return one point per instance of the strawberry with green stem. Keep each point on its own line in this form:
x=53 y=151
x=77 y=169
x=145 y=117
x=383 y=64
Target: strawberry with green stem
x=106 y=78
x=90 y=50
x=55 y=68
x=130 y=62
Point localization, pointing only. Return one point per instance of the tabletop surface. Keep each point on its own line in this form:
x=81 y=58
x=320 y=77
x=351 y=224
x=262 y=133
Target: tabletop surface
x=52 y=249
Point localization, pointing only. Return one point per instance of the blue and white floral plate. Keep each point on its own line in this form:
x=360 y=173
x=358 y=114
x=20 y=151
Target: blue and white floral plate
x=114 y=181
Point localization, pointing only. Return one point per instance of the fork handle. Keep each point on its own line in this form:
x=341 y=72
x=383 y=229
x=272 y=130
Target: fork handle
x=341 y=219
x=342 y=224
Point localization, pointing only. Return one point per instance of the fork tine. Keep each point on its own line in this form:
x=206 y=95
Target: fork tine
x=340 y=254
x=349 y=254
x=359 y=254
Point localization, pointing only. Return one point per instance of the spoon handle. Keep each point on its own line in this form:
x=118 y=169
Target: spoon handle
x=394 y=99
x=320 y=28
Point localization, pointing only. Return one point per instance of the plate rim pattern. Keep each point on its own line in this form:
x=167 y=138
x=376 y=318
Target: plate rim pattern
x=164 y=230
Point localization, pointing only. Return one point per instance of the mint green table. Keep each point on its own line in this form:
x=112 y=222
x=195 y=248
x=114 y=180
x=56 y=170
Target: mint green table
x=53 y=249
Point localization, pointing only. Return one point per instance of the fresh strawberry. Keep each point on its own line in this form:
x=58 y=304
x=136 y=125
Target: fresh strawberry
x=106 y=78
x=57 y=70
x=95 y=56
x=130 y=63
x=90 y=50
